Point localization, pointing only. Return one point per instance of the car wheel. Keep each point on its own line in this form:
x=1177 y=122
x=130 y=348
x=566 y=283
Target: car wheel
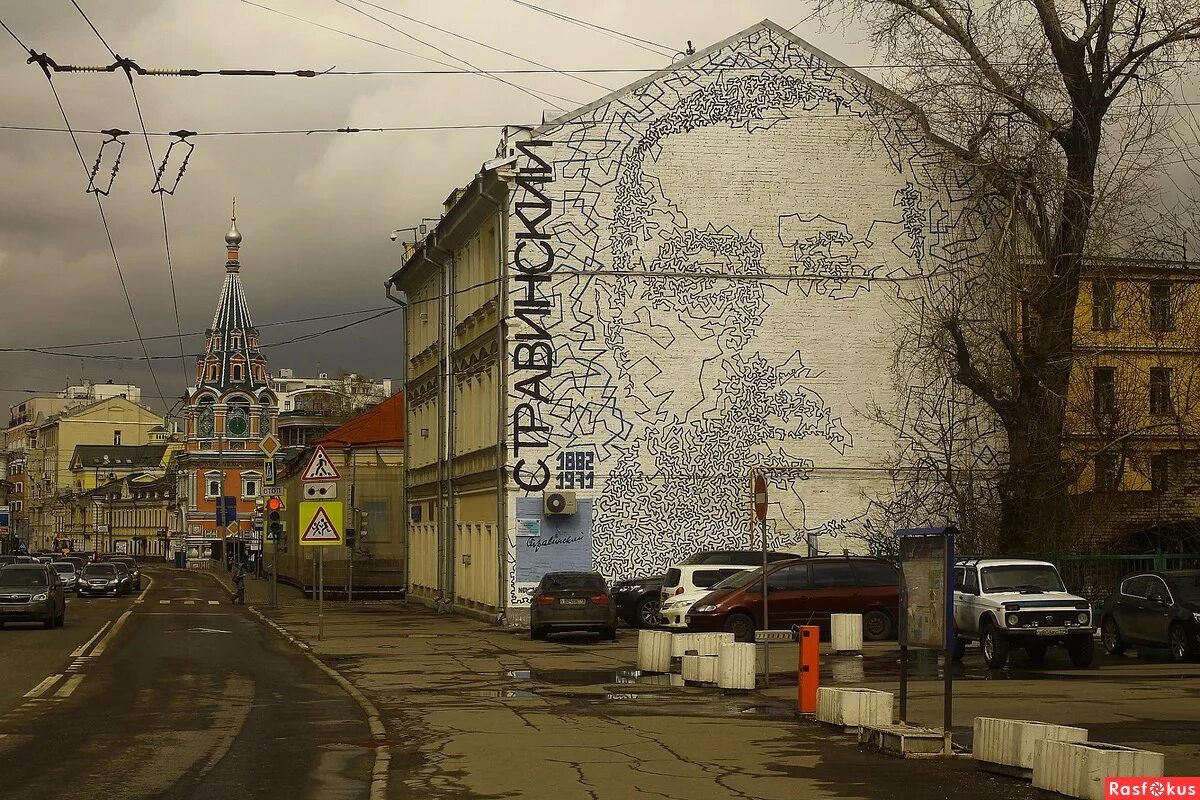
x=537 y=634
x=646 y=612
x=1082 y=651
x=994 y=646
x=1036 y=653
x=1177 y=643
x=877 y=626
x=1110 y=637
x=62 y=619
x=741 y=626
x=960 y=649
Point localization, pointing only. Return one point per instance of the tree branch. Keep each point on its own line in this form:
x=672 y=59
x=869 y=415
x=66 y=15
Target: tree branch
x=972 y=378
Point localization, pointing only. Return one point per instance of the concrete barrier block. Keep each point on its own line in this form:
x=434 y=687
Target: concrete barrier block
x=709 y=644
x=681 y=643
x=1078 y=769
x=1009 y=743
x=851 y=709
x=700 y=669
x=846 y=633
x=654 y=651
x=735 y=666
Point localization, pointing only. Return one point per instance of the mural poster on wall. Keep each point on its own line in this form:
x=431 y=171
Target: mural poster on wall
x=551 y=543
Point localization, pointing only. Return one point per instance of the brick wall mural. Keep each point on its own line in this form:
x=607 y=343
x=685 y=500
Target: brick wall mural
x=718 y=270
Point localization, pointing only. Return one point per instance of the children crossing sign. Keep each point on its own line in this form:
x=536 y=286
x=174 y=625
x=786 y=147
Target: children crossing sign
x=320 y=468
x=321 y=523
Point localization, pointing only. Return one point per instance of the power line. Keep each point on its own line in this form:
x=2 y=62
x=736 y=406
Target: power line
x=198 y=333
x=545 y=67
x=623 y=37
x=541 y=96
x=161 y=201
x=107 y=233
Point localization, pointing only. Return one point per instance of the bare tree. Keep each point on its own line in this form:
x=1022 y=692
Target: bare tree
x=1034 y=90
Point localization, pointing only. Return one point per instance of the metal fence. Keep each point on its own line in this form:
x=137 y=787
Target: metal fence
x=1095 y=577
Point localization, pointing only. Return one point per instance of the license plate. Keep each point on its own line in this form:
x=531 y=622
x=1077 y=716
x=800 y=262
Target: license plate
x=1052 y=632
x=571 y=601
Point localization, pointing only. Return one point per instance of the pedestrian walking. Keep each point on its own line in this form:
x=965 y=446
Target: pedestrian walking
x=239 y=582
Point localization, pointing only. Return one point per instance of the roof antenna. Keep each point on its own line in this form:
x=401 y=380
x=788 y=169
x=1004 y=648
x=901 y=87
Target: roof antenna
x=691 y=51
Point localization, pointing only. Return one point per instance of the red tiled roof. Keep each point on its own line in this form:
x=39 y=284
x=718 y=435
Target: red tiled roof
x=381 y=426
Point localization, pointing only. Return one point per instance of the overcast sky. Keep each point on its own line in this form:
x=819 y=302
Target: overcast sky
x=315 y=210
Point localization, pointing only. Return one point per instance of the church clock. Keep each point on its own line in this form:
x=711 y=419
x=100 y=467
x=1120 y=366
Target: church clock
x=236 y=424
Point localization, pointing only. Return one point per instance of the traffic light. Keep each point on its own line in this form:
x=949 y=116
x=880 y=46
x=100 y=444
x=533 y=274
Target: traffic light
x=351 y=538
x=274 y=518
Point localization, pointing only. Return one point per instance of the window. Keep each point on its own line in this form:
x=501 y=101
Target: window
x=832 y=575
x=972 y=580
x=876 y=573
x=213 y=482
x=1106 y=472
x=1156 y=589
x=1160 y=390
x=116 y=438
x=16 y=506
x=237 y=372
x=19 y=487
x=1104 y=388
x=1103 y=306
x=1162 y=313
x=1159 y=472
x=250 y=481
x=789 y=579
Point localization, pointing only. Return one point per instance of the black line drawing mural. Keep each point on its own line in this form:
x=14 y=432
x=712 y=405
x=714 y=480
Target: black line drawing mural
x=741 y=245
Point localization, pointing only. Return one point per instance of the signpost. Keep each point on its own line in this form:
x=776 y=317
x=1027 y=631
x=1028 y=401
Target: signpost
x=320 y=523
x=927 y=609
x=760 y=511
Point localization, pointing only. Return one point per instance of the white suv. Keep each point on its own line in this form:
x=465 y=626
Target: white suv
x=684 y=584
x=1006 y=603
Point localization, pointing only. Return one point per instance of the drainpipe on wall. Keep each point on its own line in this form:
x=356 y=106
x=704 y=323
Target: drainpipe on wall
x=501 y=397
x=404 y=512
x=445 y=436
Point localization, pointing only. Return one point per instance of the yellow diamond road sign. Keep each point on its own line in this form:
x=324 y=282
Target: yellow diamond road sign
x=269 y=445
x=233 y=528
x=321 y=523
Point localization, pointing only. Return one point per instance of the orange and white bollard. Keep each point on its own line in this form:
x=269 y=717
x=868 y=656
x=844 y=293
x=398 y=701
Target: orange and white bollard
x=809 y=669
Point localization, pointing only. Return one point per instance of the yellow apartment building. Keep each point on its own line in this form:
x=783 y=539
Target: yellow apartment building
x=1133 y=416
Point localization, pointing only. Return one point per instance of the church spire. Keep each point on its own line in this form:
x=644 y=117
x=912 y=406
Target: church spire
x=233 y=241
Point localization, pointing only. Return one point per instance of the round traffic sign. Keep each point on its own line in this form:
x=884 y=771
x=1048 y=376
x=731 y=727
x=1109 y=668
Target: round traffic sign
x=760 y=496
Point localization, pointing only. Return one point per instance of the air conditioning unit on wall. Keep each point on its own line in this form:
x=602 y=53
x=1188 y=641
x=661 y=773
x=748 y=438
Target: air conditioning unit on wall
x=559 y=503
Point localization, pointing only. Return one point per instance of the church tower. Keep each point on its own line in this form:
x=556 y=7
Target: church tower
x=229 y=411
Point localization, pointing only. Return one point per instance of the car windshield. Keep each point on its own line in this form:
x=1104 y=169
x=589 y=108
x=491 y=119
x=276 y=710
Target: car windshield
x=569 y=580
x=19 y=576
x=1031 y=578
x=63 y=567
x=1185 y=587
x=100 y=570
x=739 y=579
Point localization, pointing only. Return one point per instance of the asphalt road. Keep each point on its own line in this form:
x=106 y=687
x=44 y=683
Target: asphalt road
x=183 y=695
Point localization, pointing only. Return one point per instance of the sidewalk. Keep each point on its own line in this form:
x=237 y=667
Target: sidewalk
x=258 y=590
x=477 y=711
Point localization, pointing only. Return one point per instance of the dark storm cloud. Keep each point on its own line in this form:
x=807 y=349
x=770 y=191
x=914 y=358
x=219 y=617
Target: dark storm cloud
x=315 y=210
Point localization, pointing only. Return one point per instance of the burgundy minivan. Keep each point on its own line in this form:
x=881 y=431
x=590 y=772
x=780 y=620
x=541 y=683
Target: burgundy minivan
x=804 y=592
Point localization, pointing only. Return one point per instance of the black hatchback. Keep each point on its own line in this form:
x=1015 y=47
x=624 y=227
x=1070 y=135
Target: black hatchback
x=1154 y=609
x=572 y=601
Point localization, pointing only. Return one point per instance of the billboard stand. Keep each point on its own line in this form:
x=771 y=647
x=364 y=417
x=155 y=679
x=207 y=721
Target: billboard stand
x=927 y=610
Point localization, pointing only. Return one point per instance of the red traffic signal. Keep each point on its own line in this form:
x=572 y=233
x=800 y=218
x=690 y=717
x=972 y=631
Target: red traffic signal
x=274 y=504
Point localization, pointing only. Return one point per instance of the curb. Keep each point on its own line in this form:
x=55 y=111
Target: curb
x=220 y=583
x=383 y=756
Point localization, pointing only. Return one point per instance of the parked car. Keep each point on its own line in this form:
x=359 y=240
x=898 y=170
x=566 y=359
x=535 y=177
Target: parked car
x=67 y=574
x=130 y=564
x=100 y=578
x=804 y=592
x=1006 y=603
x=745 y=558
x=572 y=601
x=1154 y=609
x=6 y=560
x=674 y=610
x=638 y=599
x=32 y=593
x=691 y=582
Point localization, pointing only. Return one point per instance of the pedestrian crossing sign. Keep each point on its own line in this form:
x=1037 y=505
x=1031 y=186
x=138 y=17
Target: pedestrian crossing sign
x=321 y=523
x=320 y=468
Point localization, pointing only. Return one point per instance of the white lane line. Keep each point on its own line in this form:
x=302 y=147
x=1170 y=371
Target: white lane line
x=214 y=602
x=163 y=602
x=43 y=686
x=113 y=632
x=70 y=686
x=78 y=651
x=189 y=602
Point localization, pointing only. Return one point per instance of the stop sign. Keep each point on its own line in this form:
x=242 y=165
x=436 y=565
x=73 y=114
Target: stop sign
x=760 y=497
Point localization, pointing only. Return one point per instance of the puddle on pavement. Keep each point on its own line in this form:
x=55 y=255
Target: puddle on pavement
x=501 y=693
x=576 y=677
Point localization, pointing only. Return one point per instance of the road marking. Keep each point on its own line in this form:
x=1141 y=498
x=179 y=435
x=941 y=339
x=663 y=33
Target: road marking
x=112 y=632
x=163 y=602
x=43 y=686
x=70 y=686
x=214 y=602
x=189 y=602
x=78 y=651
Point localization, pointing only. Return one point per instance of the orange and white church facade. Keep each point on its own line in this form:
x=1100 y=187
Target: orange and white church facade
x=229 y=411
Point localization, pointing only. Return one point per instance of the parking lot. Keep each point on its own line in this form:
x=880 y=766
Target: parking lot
x=477 y=711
